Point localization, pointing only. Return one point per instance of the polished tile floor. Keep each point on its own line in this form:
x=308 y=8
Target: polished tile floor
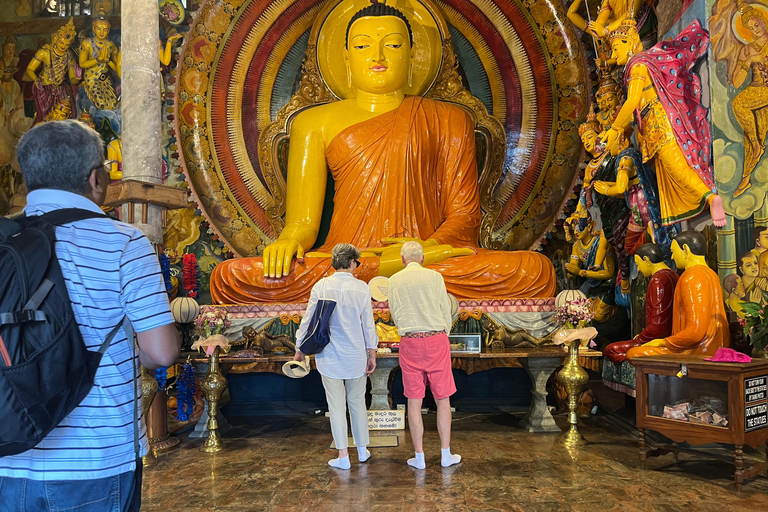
x=274 y=463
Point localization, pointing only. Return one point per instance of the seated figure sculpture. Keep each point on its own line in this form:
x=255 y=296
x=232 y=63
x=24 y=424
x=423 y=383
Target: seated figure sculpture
x=699 y=322
x=404 y=169
x=658 y=301
x=672 y=126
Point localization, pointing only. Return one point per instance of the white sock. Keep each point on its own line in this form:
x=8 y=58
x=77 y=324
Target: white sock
x=449 y=459
x=340 y=463
x=418 y=461
x=363 y=454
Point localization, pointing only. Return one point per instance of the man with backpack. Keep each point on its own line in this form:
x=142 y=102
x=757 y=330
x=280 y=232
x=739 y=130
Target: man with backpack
x=90 y=459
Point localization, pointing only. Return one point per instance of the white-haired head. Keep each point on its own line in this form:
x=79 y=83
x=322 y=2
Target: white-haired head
x=412 y=251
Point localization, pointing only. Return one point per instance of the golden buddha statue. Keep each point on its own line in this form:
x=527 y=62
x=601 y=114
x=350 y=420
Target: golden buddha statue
x=99 y=58
x=699 y=322
x=404 y=169
x=54 y=82
x=672 y=125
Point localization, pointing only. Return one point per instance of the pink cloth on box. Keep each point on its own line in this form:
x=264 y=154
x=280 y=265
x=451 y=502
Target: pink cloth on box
x=728 y=355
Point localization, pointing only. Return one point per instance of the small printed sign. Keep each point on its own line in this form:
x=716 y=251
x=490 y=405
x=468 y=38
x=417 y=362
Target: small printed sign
x=755 y=389
x=755 y=417
x=386 y=420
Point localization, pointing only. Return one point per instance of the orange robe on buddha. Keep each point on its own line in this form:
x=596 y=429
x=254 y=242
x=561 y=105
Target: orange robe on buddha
x=699 y=324
x=410 y=172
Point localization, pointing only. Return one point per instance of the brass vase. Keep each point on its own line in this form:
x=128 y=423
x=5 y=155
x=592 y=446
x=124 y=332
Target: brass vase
x=149 y=387
x=213 y=385
x=573 y=378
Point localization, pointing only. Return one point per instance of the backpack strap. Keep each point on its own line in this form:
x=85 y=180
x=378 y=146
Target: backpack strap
x=68 y=215
x=30 y=312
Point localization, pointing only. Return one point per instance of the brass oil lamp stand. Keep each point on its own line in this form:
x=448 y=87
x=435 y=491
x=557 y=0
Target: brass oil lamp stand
x=573 y=378
x=213 y=385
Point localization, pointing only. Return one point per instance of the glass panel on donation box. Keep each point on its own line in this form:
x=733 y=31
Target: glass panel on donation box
x=687 y=399
x=465 y=343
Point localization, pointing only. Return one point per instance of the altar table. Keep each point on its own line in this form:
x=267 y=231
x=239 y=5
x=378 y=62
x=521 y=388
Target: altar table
x=540 y=363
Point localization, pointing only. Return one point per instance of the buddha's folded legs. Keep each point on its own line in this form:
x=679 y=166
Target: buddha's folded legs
x=486 y=275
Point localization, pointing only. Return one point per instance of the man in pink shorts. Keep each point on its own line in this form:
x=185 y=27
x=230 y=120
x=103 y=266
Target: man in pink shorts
x=421 y=310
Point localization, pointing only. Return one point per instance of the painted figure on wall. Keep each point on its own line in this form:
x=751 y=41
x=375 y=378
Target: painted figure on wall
x=672 y=125
x=755 y=287
x=658 y=301
x=735 y=293
x=404 y=169
x=740 y=37
x=13 y=121
x=699 y=324
x=100 y=59
x=60 y=71
x=166 y=54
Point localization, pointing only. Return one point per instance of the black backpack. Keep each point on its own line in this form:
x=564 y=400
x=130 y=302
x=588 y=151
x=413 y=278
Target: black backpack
x=45 y=369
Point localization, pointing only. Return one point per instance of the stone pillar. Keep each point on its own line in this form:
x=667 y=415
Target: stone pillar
x=380 y=399
x=141 y=115
x=539 y=419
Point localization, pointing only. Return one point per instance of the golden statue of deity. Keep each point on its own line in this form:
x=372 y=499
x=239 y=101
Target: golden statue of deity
x=404 y=169
x=53 y=83
x=100 y=58
x=672 y=127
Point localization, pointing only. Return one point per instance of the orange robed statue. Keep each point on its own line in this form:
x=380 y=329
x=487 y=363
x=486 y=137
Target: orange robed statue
x=699 y=323
x=404 y=169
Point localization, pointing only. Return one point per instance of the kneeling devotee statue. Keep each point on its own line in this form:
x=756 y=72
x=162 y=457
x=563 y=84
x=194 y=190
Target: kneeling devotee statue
x=649 y=259
x=404 y=169
x=699 y=322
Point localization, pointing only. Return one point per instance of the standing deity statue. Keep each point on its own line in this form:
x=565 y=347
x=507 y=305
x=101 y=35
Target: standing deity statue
x=672 y=126
x=166 y=54
x=610 y=15
x=609 y=98
x=610 y=215
x=593 y=261
x=404 y=169
x=100 y=60
x=635 y=182
x=60 y=71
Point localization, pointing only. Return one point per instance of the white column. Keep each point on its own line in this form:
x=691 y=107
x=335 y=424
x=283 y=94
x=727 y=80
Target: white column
x=140 y=105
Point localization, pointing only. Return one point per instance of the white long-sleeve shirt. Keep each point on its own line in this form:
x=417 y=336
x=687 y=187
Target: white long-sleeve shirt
x=418 y=300
x=352 y=329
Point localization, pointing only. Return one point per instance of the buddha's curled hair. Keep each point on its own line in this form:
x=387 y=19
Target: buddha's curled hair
x=379 y=9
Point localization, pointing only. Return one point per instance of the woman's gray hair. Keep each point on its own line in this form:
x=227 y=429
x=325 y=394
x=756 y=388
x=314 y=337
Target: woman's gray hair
x=412 y=251
x=59 y=155
x=343 y=254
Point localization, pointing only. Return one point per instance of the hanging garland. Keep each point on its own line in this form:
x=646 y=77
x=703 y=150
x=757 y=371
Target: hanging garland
x=186 y=391
x=161 y=376
x=189 y=275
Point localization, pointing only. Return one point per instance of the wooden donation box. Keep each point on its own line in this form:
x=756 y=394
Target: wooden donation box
x=699 y=402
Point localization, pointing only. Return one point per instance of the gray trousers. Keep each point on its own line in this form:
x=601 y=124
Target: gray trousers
x=341 y=393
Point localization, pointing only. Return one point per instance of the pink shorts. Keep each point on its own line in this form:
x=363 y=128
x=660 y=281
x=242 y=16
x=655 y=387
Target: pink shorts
x=427 y=361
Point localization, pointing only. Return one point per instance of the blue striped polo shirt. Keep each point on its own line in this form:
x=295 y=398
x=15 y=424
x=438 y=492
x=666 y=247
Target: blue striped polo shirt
x=111 y=270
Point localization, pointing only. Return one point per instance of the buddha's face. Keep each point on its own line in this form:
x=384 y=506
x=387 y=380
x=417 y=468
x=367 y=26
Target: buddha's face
x=100 y=30
x=589 y=139
x=756 y=25
x=678 y=254
x=749 y=266
x=379 y=54
x=644 y=266
x=620 y=50
x=607 y=101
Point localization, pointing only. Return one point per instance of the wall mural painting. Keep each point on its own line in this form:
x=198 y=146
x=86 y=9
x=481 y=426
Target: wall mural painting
x=243 y=70
x=739 y=89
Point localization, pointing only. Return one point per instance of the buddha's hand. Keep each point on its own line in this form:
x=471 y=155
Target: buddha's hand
x=278 y=255
x=438 y=253
x=655 y=343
